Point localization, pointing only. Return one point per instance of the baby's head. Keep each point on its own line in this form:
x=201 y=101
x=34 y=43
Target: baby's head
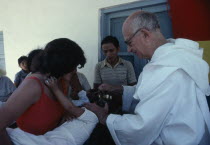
x=22 y=61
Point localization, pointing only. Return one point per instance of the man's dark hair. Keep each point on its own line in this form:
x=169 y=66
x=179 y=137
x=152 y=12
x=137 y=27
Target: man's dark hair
x=110 y=39
x=60 y=56
x=31 y=56
x=22 y=58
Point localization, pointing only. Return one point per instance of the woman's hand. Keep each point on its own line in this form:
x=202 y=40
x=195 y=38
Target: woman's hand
x=69 y=116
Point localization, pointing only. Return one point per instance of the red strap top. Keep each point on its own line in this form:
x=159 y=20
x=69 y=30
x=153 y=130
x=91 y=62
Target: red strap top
x=42 y=116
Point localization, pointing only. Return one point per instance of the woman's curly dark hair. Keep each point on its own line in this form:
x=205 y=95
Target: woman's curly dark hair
x=60 y=57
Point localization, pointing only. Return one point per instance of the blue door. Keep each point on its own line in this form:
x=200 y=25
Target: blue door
x=112 y=20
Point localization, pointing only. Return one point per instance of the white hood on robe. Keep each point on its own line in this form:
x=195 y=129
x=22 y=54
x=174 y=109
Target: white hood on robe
x=197 y=71
x=177 y=54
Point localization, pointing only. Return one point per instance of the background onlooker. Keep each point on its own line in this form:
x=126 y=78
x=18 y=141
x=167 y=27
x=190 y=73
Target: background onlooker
x=113 y=69
x=7 y=87
x=20 y=76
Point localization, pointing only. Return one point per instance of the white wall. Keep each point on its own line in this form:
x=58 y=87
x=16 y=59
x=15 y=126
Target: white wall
x=28 y=24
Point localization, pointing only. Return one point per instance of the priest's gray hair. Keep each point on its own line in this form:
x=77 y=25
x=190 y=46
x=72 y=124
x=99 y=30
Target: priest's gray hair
x=145 y=20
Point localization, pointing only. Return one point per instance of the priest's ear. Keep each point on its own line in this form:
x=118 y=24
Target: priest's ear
x=146 y=33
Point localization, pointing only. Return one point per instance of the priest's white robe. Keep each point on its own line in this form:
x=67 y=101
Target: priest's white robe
x=172 y=108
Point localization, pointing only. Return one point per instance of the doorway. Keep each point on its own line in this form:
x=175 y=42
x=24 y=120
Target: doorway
x=112 y=20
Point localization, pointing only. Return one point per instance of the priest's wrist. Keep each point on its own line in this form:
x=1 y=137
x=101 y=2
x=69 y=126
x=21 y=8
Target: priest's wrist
x=102 y=116
x=103 y=119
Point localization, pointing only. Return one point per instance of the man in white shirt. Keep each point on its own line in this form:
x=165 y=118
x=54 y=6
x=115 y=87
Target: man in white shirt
x=171 y=89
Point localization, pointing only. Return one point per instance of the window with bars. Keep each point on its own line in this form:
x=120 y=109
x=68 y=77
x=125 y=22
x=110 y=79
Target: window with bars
x=2 y=56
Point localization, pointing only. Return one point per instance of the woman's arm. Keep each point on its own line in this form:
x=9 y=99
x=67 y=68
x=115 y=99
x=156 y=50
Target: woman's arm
x=68 y=105
x=26 y=95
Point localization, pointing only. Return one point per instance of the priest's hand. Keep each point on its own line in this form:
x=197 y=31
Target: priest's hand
x=115 y=91
x=101 y=113
x=106 y=87
x=118 y=89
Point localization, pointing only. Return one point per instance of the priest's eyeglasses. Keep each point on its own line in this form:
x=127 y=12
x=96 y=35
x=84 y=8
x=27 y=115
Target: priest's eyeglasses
x=128 y=42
